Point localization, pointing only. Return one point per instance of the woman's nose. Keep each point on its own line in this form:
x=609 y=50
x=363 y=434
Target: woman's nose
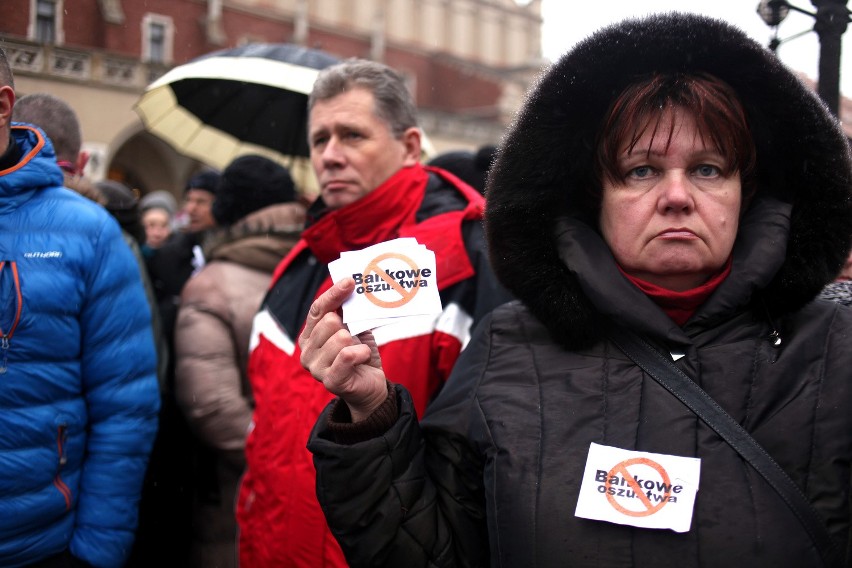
x=675 y=192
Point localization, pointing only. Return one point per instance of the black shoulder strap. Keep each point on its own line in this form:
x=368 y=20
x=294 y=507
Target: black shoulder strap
x=665 y=372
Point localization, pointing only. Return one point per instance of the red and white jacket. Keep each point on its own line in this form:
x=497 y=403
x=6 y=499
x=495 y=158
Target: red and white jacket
x=281 y=523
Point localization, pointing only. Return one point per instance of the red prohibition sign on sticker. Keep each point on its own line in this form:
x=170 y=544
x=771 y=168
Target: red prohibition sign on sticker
x=405 y=295
x=649 y=507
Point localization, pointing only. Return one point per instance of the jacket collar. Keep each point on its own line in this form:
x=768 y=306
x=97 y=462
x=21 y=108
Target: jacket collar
x=36 y=168
x=11 y=156
x=394 y=210
x=374 y=218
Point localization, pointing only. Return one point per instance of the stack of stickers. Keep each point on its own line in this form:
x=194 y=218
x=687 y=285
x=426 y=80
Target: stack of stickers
x=393 y=280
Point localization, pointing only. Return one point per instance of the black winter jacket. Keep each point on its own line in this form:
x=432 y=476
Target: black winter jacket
x=491 y=476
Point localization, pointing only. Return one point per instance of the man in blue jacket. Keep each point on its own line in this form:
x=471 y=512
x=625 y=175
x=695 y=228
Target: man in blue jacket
x=78 y=387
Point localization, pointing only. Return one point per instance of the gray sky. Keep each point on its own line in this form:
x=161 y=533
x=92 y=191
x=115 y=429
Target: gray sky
x=567 y=21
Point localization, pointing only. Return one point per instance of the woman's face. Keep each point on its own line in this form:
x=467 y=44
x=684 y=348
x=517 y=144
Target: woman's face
x=672 y=218
x=157 y=227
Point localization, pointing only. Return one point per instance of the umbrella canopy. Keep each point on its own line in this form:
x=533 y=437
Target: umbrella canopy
x=246 y=100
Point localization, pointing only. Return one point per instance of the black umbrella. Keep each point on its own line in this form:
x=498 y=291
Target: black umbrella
x=246 y=100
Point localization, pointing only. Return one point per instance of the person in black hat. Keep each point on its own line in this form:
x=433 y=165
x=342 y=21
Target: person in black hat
x=196 y=215
x=471 y=167
x=172 y=265
x=667 y=180
x=259 y=221
x=250 y=183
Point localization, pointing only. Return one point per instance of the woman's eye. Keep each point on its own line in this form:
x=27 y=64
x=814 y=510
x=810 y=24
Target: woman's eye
x=640 y=172
x=706 y=170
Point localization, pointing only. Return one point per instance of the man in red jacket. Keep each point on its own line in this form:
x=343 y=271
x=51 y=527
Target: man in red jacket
x=365 y=150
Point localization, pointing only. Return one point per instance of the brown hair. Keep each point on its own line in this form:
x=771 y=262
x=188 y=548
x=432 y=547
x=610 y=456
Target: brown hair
x=393 y=102
x=58 y=120
x=719 y=116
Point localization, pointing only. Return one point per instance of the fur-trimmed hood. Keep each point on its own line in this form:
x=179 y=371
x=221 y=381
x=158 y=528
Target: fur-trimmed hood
x=792 y=241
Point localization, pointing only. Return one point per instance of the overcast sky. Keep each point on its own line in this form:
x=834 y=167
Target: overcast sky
x=567 y=21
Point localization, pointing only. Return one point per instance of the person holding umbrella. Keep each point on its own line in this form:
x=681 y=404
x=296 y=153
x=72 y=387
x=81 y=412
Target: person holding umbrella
x=666 y=391
x=365 y=149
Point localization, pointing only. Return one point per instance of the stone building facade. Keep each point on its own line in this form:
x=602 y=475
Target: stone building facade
x=468 y=62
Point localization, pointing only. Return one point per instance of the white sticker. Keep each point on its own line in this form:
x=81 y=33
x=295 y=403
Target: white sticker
x=393 y=279
x=640 y=489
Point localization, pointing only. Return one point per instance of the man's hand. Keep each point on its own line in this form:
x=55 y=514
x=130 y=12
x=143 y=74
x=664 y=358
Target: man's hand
x=348 y=366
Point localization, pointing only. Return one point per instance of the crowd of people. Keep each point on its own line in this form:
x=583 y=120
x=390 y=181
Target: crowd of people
x=178 y=386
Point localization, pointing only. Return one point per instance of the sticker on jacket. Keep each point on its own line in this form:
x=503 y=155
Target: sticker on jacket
x=641 y=489
x=393 y=279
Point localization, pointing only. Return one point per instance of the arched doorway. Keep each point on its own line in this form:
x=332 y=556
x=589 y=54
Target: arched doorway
x=147 y=163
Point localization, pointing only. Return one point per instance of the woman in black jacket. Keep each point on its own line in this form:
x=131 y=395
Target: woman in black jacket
x=668 y=177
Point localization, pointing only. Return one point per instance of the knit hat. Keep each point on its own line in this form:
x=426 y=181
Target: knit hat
x=207 y=180
x=160 y=199
x=248 y=184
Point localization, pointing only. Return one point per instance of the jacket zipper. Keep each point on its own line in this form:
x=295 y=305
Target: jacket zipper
x=61 y=437
x=6 y=336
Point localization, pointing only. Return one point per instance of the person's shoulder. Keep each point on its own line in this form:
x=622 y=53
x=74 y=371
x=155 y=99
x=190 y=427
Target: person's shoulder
x=61 y=205
x=441 y=196
x=512 y=312
x=513 y=319
x=177 y=245
x=825 y=312
x=206 y=283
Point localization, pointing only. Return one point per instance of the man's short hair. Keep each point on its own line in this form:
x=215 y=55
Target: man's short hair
x=6 y=78
x=394 y=104
x=56 y=118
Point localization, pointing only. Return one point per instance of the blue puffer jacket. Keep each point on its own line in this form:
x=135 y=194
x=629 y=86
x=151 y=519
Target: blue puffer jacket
x=78 y=387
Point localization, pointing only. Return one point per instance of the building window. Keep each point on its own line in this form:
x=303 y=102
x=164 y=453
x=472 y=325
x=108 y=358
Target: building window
x=46 y=21
x=157 y=36
x=157 y=41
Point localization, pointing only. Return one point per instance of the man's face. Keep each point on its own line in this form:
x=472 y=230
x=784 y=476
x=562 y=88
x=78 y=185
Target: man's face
x=198 y=204
x=353 y=151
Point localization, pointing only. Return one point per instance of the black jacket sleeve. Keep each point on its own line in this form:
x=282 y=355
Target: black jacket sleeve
x=413 y=496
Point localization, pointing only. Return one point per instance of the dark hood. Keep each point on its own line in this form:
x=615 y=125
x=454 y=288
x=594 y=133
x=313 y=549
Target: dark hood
x=545 y=162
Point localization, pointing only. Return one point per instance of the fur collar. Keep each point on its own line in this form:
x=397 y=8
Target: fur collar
x=545 y=162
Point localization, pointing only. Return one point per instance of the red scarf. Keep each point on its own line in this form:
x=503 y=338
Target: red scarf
x=680 y=305
x=372 y=219
x=388 y=212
